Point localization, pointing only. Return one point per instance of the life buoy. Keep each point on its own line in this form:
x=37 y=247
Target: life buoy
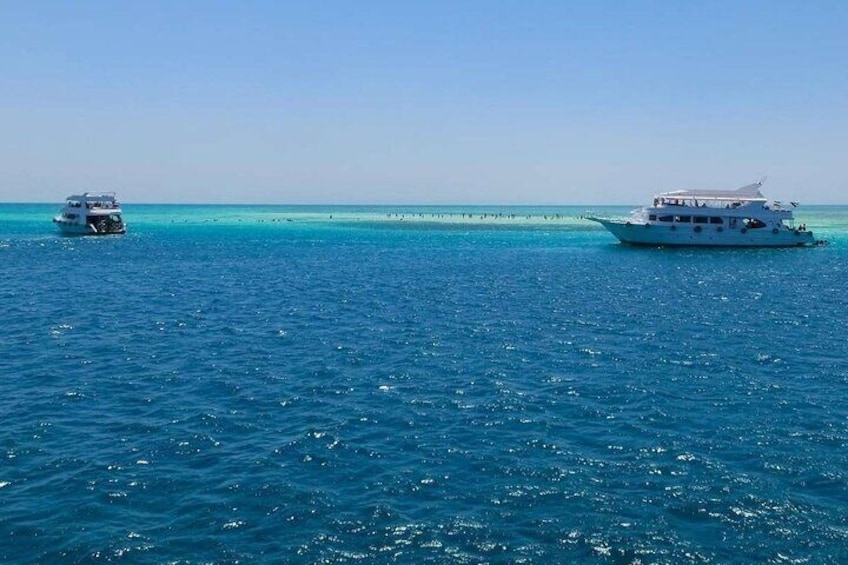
x=673 y=228
x=775 y=231
x=743 y=230
x=719 y=229
x=698 y=229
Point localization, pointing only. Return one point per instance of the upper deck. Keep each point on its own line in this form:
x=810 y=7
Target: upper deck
x=748 y=197
x=106 y=200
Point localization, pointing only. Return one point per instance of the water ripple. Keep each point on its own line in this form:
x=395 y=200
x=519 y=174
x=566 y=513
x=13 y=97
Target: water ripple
x=368 y=393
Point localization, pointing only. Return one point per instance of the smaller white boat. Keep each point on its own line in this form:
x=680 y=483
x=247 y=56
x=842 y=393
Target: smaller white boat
x=91 y=213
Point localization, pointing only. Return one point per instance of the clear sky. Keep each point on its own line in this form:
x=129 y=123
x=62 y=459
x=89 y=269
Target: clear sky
x=453 y=102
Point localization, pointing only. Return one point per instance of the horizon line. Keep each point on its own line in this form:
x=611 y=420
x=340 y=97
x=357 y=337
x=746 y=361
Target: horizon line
x=380 y=205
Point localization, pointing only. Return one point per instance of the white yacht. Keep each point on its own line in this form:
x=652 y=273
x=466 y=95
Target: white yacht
x=91 y=213
x=731 y=218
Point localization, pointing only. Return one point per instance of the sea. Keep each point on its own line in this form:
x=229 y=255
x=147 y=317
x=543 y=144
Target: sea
x=390 y=384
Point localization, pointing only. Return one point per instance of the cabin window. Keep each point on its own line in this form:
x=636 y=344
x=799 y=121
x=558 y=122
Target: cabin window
x=716 y=220
x=753 y=223
x=683 y=219
x=652 y=217
x=700 y=219
x=666 y=218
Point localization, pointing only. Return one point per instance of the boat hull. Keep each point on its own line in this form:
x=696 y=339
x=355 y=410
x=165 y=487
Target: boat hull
x=704 y=236
x=74 y=229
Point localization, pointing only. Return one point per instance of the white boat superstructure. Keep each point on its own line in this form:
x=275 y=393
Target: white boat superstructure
x=731 y=218
x=91 y=213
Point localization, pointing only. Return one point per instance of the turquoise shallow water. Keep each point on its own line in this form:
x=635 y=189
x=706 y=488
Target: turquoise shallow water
x=270 y=384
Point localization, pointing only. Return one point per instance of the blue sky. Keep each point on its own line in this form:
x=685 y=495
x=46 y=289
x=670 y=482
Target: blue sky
x=528 y=102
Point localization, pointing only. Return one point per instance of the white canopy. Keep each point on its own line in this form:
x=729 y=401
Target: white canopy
x=747 y=192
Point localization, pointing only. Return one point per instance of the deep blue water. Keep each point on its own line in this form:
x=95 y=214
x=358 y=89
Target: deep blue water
x=224 y=385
